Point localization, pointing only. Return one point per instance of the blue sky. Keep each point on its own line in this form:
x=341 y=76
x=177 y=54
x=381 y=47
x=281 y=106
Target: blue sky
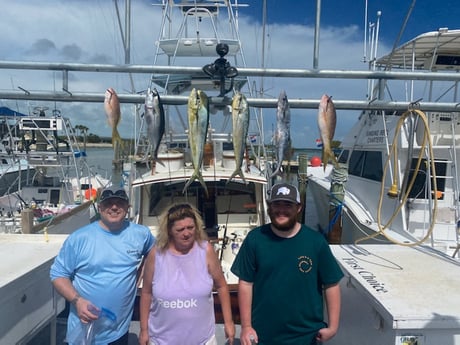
x=426 y=15
x=87 y=31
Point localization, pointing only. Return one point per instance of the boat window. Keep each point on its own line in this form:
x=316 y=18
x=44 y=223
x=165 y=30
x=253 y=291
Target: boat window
x=418 y=191
x=223 y=198
x=373 y=166
x=366 y=164
x=355 y=166
x=343 y=157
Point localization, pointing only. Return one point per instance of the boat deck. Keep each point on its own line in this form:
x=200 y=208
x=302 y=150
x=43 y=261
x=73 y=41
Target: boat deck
x=398 y=293
x=43 y=336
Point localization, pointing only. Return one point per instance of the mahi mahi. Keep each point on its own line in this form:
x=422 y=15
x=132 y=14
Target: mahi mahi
x=154 y=115
x=282 y=136
x=112 y=110
x=198 y=120
x=240 y=117
x=327 y=120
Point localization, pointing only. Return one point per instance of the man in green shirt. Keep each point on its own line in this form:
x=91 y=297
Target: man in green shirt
x=285 y=270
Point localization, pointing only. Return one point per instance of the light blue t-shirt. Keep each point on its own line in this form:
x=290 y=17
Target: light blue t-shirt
x=103 y=267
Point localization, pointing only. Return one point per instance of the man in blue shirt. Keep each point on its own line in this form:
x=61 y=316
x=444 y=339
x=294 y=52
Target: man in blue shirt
x=97 y=266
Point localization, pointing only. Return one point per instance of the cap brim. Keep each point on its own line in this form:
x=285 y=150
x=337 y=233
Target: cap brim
x=283 y=199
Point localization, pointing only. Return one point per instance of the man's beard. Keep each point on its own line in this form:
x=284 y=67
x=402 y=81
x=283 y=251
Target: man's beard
x=285 y=226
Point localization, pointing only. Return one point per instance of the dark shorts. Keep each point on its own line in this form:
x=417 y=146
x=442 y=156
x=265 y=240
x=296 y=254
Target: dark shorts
x=121 y=341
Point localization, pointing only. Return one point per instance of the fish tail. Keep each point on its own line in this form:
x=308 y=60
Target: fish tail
x=328 y=155
x=237 y=172
x=200 y=178
x=277 y=171
x=196 y=176
x=116 y=138
x=157 y=160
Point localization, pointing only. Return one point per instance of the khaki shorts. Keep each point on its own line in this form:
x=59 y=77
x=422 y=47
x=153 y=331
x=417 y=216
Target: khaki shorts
x=211 y=341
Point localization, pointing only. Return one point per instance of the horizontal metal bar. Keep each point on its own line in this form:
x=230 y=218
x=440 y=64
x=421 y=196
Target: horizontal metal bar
x=242 y=71
x=254 y=102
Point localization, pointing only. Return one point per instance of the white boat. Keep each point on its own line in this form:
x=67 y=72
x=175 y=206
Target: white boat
x=57 y=196
x=403 y=174
x=14 y=171
x=230 y=209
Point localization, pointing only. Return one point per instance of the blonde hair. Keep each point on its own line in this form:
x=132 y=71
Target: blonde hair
x=178 y=212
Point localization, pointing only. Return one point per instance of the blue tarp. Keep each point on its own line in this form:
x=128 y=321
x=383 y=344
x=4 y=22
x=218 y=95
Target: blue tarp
x=5 y=111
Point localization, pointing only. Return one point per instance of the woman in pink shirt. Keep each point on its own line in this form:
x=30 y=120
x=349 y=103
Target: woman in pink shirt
x=176 y=305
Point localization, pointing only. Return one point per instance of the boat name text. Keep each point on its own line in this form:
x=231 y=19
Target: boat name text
x=375 y=136
x=369 y=277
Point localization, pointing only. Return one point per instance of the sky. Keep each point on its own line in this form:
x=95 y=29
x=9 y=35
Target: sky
x=86 y=31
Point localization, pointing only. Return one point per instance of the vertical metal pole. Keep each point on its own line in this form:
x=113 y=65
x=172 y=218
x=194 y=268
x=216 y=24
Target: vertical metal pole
x=303 y=179
x=317 y=25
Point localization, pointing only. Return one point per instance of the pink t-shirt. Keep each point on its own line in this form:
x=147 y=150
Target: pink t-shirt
x=182 y=310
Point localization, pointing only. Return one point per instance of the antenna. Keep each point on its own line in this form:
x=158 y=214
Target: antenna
x=365 y=33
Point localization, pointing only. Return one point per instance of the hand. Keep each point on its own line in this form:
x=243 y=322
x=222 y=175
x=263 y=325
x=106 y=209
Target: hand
x=325 y=334
x=144 y=338
x=86 y=311
x=248 y=336
x=229 y=328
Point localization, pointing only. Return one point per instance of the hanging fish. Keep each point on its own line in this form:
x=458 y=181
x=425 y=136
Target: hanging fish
x=282 y=136
x=240 y=117
x=112 y=110
x=327 y=120
x=198 y=120
x=154 y=116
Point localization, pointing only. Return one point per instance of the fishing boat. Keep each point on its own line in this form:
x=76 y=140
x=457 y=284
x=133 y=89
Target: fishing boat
x=14 y=172
x=391 y=205
x=231 y=205
x=402 y=175
x=57 y=195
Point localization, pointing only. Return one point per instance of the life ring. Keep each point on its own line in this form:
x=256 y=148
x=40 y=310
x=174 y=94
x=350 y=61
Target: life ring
x=90 y=194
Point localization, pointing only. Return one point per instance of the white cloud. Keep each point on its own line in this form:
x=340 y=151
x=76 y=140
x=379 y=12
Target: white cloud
x=87 y=32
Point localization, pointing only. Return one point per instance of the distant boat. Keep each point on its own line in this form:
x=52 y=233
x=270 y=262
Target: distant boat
x=53 y=178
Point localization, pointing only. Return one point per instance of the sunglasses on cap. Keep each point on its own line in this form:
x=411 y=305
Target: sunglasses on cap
x=109 y=194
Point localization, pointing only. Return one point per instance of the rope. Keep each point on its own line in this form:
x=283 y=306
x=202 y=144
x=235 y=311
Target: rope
x=394 y=154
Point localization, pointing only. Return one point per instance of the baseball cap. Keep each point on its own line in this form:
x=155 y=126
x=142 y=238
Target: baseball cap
x=284 y=192
x=113 y=192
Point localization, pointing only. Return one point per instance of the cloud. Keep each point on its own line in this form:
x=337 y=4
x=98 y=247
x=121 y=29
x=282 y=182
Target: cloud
x=87 y=32
x=42 y=46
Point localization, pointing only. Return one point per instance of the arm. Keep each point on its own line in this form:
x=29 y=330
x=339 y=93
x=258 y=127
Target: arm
x=332 y=295
x=65 y=288
x=215 y=270
x=245 y=303
x=146 y=298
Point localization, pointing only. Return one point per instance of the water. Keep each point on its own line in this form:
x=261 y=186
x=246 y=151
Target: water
x=100 y=159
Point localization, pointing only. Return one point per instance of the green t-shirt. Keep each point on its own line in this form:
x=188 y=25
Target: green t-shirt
x=288 y=276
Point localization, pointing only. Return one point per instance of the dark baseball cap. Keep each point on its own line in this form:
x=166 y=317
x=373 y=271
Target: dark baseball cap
x=284 y=192
x=113 y=192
